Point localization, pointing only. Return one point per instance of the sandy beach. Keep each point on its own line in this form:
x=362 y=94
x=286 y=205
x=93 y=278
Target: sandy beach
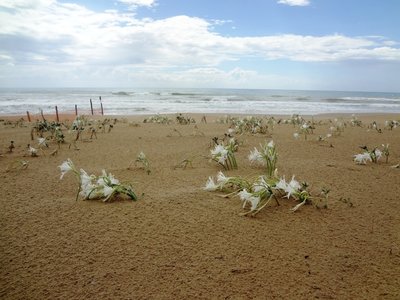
x=178 y=241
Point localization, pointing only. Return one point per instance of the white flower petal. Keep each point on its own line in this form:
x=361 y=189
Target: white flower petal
x=210 y=185
x=65 y=167
x=107 y=191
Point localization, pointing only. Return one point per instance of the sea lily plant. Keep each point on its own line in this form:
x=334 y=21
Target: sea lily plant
x=142 y=159
x=105 y=186
x=257 y=194
x=267 y=156
x=306 y=129
x=373 y=155
x=225 y=154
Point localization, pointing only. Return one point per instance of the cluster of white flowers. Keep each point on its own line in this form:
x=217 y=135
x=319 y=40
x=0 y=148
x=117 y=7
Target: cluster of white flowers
x=255 y=157
x=257 y=194
x=266 y=157
x=220 y=154
x=392 y=124
x=248 y=124
x=218 y=184
x=291 y=188
x=373 y=156
x=92 y=187
x=225 y=155
x=262 y=192
x=294 y=119
x=354 y=121
x=306 y=129
x=158 y=119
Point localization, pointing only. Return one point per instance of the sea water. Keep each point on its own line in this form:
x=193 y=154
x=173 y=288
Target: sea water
x=131 y=101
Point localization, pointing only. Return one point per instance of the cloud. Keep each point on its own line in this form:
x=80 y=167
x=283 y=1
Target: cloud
x=80 y=36
x=13 y=4
x=295 y=2
x=69 y=37
x=133 y=4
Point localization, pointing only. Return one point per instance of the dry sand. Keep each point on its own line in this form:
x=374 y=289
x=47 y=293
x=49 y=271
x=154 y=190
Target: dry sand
x=181 y=242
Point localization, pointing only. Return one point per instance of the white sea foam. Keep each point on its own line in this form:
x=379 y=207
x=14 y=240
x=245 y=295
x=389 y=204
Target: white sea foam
x=225 y=101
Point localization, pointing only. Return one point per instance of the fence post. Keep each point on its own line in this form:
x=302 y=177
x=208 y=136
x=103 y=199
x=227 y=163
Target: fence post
x=28 y=115
x=102 y=111
x=41 y=113
x=91 y=106
x=58 y=119
x=76 y=110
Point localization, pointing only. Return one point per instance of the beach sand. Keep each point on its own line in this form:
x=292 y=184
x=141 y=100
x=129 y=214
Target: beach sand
x=181 y=242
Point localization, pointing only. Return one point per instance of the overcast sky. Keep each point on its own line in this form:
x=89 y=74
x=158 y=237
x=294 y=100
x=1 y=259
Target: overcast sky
x=271 y=44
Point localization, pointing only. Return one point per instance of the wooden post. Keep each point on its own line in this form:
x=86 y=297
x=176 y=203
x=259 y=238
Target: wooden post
x=41 y=112
x=57 y=118
x=102 y=111
x=91 y=106
x=28 y=115
x=76 y=110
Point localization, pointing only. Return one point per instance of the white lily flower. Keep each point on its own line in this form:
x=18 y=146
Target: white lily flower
x=244 y=195
x=141 y=156
x=107 y=191
x=271 y=144
x=261 y=185
x=361 y=159
x=87 y=191
x=281 y=185
x=220 y=153
x=42 y=142
x=294 y=184
x=249 y=197
x=296 y=135
x=329 y=135
x=255 y=156
x=32 y=151
x=85 y=179
x=222 y=179
x=218 y=150
x=110 y=177
x=65 y=167
x=210 y=185
x=113 y=179
x=292 y=187
x=378 y=154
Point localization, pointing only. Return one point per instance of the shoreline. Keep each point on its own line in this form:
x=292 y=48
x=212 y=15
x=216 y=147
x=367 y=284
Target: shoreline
x=72 y=116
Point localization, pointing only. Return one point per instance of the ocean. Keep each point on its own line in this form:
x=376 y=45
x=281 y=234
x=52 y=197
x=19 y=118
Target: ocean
x=132 y=101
